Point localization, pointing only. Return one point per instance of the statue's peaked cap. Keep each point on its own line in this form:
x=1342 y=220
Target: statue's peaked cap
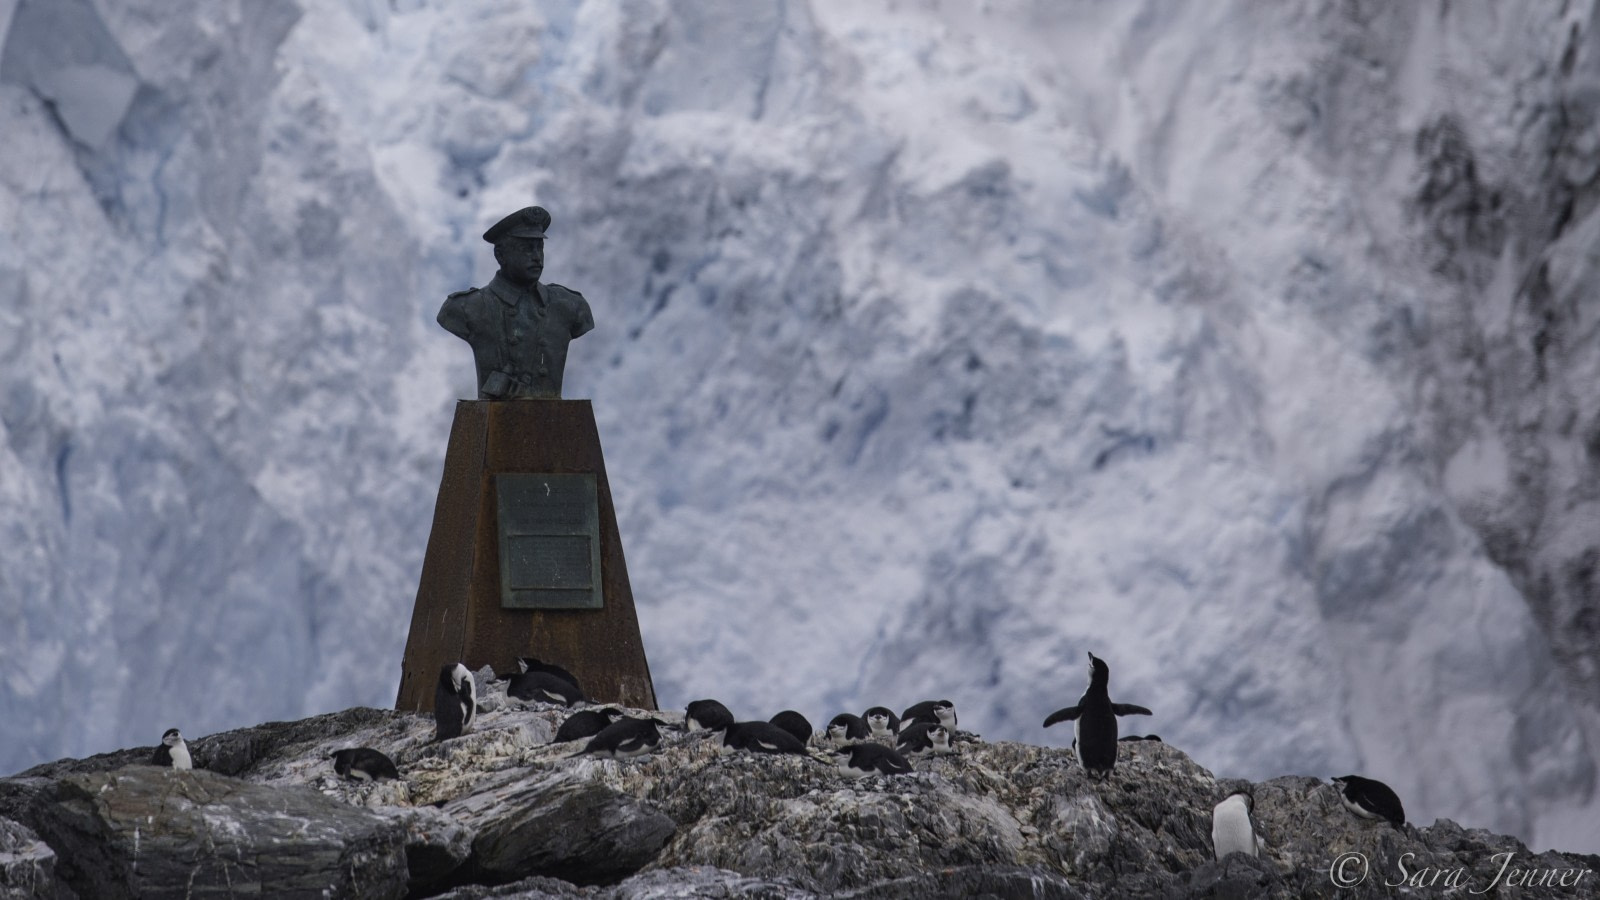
x=528 y=222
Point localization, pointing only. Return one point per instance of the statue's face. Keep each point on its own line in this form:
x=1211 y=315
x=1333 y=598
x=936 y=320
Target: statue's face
x=522 y=259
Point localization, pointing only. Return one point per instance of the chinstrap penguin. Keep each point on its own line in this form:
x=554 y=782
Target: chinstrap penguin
x=1370 y=799
x=1232 y=827
x=173 y=752
x=624 y=739
x=363 y=764
x=706 y=715
x=1095 y=721
x=924 y=737
x=455 y=702
x=587 y=723
x=533 y=664
x=543 y=687
x=794 y=723
x=1140 y=737
x=846 y=727
x=760 y=737
x=882 y=723
x=861 y=760
x=942 y=712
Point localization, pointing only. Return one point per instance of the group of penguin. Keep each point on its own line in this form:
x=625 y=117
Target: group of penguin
x=877 y=742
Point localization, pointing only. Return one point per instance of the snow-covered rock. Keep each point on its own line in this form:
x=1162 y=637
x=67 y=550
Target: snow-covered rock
x=1248 y=347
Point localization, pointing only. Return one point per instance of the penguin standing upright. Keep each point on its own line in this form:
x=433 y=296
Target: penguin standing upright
x=1095 y=721
x=1232 y=829
x=1371 y=799
x=173 y=752
x=455 y=701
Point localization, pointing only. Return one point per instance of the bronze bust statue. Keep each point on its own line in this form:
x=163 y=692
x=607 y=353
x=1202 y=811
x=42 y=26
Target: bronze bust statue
x=518 y=328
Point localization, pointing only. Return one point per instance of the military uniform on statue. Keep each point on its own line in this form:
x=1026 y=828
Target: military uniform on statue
x=524 y=559
x=517 y=327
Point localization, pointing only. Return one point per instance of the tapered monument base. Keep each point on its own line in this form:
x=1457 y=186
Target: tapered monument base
x=524 y=558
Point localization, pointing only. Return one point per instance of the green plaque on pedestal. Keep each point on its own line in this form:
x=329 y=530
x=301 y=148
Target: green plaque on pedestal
x=549 y=541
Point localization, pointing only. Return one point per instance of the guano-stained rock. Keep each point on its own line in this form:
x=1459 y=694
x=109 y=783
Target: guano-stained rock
x=144 y=831
x=501 y=812
x=564 y=824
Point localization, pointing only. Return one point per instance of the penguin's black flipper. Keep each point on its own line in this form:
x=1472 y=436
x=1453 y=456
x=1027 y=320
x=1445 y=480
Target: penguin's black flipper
x=1062 y=715
x=1128 y=709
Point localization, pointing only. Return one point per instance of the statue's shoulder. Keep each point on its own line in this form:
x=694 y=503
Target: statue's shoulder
x=459 y=311
x=563 y=294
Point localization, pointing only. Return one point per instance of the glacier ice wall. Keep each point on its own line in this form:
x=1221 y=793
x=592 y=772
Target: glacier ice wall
x=1246 y=346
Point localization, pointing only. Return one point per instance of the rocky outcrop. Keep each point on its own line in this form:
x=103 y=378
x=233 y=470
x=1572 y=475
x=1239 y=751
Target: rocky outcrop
x=27 y=866
x=143 y=831
x=501 y=812
x=567 y=824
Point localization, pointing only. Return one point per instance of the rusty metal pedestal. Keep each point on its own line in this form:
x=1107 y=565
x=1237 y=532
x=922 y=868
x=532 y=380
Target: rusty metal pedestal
x=462 y=612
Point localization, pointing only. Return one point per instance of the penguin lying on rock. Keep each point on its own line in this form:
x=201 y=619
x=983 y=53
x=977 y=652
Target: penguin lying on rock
x=760 y=737
x=924 y=738
x=846 y=727
x=861 y=760
x=1371 y=799
x=794 y=723
x=363 y=764
x=706 y=715
x=587 y=723
x=623 y=739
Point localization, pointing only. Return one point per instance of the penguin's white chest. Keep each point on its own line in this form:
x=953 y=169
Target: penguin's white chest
x=1357 y=808
x=1231 y=831
x=850 y=770
x=180 y=756
x=630 y=748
